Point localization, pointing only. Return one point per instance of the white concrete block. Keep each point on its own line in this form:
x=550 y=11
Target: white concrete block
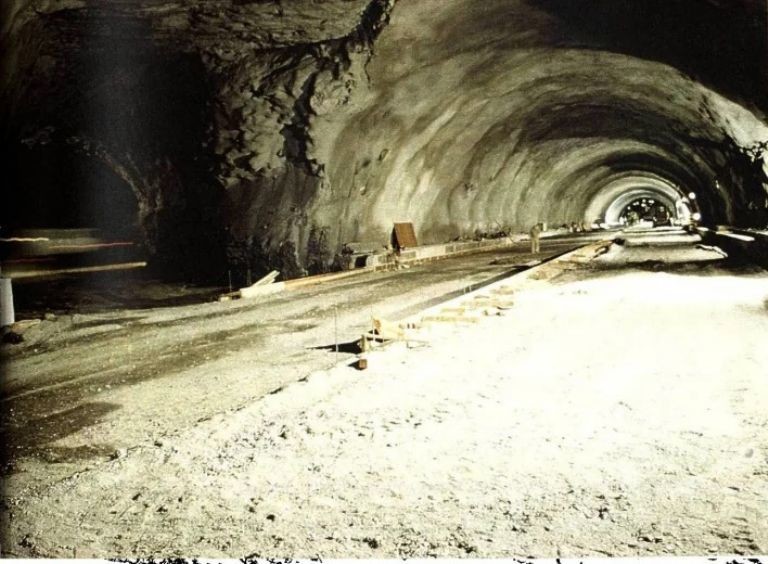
x=7 y=313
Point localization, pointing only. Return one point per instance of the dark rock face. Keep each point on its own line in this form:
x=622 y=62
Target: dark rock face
x=255 y=134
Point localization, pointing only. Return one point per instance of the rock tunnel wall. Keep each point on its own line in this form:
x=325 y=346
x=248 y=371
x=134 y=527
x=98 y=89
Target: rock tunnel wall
x=486 y=123
x=267 y=133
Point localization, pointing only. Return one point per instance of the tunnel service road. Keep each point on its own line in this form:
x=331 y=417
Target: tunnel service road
x=82 y=387
x=619 y=409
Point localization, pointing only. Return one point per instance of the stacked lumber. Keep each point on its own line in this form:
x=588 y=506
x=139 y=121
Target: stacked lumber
x=383 y=331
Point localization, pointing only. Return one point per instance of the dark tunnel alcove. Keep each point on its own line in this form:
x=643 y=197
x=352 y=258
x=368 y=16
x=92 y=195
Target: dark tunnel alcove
x=151 y=115
x=121 y=145
x=58 y=188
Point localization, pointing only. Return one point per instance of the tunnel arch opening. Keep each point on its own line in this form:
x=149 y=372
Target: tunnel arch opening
x=661 y=201
x=58 y=187
x=648 y=209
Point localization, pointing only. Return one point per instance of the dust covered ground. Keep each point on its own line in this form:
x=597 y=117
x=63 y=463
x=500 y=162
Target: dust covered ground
x=619 y=408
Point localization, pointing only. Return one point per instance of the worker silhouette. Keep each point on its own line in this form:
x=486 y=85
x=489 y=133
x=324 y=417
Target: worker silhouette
x=535 y=238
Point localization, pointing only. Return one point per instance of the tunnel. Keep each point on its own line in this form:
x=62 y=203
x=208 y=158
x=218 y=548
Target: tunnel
x=384 y=278
x=257 y=128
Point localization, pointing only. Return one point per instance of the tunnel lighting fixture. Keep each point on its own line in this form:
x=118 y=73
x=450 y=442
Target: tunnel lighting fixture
x=692 y=196
x=696 y=216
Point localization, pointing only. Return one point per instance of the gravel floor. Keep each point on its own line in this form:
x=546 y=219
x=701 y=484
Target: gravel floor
x=615 y=410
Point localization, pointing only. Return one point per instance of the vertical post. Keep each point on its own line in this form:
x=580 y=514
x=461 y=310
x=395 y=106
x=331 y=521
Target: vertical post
x=7 y=313
x=229 y=275
x=335 y=330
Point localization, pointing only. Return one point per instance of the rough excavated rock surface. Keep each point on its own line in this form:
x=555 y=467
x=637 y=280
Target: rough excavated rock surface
x=267 y=133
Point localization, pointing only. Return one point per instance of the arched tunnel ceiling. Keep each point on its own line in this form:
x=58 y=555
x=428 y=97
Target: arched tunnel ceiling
x=334 y=119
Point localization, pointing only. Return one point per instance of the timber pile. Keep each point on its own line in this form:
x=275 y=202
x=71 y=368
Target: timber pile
x=383 y=331
x=470 y=310
x=590 y=252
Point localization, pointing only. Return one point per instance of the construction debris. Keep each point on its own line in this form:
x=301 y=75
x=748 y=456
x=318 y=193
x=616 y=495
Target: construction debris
x=488 y=302
x=268 y=279
x=263 y=286
x=387 y=330
x=450 y=319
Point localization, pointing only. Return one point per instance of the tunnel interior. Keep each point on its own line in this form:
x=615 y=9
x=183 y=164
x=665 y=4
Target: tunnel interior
x=268 y=135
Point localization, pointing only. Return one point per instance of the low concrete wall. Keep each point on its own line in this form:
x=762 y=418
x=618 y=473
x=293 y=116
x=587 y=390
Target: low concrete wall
x=430 y=252
x=383 y=261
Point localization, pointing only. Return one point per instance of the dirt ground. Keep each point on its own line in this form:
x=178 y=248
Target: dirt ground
x=618 y=408
x=83 y=386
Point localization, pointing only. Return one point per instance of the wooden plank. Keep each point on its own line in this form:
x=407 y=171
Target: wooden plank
x=268 y=279
x=491 y=302
x=449 y=319
x=264 y=285
x=320 y=278
x=78 y=270
x=405 y=236
x=453 y=310
x=503 y=291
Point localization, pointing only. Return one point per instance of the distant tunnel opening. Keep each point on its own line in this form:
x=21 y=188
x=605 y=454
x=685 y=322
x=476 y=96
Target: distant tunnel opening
x=647 y=210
